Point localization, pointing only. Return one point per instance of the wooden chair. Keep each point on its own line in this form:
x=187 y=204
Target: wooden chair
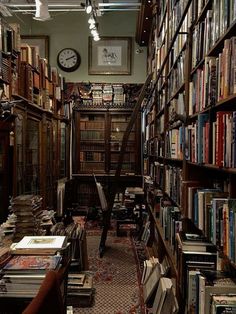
x=49 y=297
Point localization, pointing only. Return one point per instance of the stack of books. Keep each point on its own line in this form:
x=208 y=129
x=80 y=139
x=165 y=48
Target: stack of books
x=118 y=98
x=23 y=274
x=28 y=211
x=39 y=245
x=206 y=288
x=193 y=252
x=80 y=289
x=107 y=93
x=97 y=94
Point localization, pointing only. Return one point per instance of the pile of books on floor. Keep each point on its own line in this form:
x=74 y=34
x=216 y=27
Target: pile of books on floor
x=158 y=290
x=22 y=276
x=80 y=289
x=28 y=211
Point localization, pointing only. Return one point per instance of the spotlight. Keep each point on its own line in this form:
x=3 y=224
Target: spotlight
x=92 y=25
x=96 y=38
x=88 y=7
x=91 y=20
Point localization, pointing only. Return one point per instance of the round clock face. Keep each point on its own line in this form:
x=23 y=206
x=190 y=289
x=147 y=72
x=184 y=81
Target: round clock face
x=68 y=59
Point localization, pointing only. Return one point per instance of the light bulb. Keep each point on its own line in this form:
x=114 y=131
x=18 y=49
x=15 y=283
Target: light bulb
x=91 y=20
x=88 y=9
x=92 y=25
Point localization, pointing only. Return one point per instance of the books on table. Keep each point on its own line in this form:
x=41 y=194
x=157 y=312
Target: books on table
x=23 y=274
x=40 y=245
x=29 y=263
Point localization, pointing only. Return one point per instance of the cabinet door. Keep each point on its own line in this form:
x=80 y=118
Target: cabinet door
x=4 y=174
x=49 y=165
x=119 y=122
x=19 y=183
x=92 y=142
x=32 y=158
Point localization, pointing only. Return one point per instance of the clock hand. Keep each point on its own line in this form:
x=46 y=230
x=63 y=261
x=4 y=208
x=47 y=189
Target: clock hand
x=70 y=58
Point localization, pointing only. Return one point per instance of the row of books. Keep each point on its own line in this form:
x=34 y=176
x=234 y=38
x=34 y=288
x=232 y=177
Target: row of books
x=175 y=143
x=193 y=251
x=96 y=125
x=213 y=212
x=173 y=179
x=206 y=289
x=176 y=77
x=177 y=10
x=92 y=156
x=159 y=291
x=215 y=80
x=92 y=135
x=212 y=146
x=155 y=147
x=202 y=40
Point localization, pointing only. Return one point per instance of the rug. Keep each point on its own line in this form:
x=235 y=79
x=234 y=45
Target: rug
x=116 y=277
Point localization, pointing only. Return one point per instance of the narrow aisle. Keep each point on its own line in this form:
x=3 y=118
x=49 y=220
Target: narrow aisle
x=115 y=277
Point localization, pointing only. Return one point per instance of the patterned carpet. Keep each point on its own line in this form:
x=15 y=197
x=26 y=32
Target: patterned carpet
x=116 y=277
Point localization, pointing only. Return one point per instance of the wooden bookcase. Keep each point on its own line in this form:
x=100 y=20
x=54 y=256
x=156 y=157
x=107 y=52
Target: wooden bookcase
x=35 y=129
x=101 y=115
x=189 y=115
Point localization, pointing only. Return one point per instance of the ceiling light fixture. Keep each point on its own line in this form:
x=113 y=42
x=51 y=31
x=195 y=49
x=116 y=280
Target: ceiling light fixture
x=88 y=7
x=92 y=21
x=42 y=13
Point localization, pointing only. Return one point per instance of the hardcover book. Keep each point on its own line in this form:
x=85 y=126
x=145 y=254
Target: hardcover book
x=42 y=242
x=22 y=263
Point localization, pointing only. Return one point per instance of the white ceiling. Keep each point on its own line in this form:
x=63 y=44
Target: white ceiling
x=28 y=6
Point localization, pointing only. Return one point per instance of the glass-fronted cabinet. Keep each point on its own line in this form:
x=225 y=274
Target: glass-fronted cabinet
x=92 y=142
x=118 y=127
x=19 y=153
x=5 y=180
x=99 y=137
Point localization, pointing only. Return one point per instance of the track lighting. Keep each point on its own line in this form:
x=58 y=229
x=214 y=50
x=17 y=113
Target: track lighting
x=91 y=20
x=93 y=24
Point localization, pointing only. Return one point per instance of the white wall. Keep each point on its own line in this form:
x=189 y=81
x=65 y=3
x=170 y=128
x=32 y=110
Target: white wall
x=71 y=30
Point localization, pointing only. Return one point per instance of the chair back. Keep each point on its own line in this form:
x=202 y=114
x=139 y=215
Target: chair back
x=49 y=298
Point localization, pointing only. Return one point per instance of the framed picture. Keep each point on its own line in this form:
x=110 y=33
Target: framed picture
x=42 y=41
x=110 y=56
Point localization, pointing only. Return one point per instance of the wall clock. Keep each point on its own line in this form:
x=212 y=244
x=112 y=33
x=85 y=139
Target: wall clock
x=68 y=59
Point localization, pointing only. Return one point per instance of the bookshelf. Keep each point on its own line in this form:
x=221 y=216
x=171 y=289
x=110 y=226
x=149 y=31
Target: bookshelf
x=189 y=133
x=101 y=115
x=35 y=119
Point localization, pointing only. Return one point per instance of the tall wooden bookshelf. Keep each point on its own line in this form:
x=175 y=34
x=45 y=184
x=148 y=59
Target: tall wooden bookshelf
x=189 y=115
x=36 y=125
x=101 y=114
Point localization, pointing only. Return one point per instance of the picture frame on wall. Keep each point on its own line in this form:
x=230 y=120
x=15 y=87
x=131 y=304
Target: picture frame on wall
x=110 y=56
x=42 y=41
